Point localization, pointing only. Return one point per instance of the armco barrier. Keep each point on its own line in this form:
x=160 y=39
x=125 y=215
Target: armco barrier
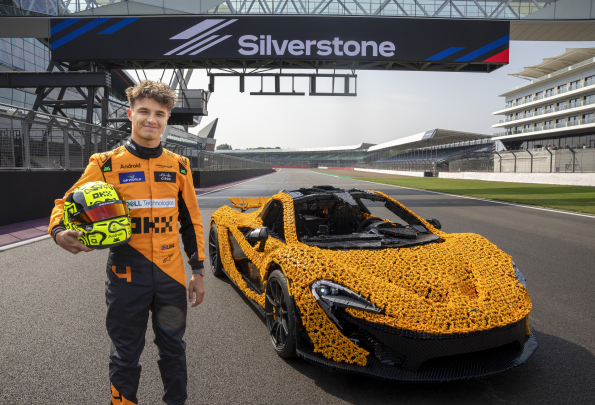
x=30 y=195
x=567 y=179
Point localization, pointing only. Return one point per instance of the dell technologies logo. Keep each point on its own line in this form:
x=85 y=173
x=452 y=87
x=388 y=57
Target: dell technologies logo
x=200 y=39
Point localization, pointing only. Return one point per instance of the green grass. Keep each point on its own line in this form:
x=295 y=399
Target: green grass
x=569 y=198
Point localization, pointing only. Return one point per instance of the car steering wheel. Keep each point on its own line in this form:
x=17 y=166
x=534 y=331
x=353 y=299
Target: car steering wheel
x=367 y=222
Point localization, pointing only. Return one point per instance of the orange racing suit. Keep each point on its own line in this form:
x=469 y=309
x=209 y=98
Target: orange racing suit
x=147 y=274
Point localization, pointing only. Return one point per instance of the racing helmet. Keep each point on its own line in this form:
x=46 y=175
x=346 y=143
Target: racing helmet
x=100 y=213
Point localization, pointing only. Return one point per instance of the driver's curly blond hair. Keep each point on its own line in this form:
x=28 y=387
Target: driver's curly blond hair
x=158 y=91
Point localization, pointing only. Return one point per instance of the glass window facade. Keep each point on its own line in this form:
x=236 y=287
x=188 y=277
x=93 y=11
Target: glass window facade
x=28 y=54
x=583 y=141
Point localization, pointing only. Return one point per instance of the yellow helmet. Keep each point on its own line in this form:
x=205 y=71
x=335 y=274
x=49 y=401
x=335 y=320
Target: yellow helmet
x=100 y=213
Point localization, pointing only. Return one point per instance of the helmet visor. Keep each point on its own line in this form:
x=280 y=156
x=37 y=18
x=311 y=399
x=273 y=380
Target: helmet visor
x=107 y=211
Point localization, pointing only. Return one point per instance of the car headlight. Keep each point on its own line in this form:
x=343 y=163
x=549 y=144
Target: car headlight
x=331 y=295
x=519 y=276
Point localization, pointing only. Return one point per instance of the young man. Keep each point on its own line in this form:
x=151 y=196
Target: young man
x=147 y=274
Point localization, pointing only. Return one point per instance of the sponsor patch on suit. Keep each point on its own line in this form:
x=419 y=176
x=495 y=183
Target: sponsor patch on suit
x=151 y=203
x=168 y=177
x=132 y=177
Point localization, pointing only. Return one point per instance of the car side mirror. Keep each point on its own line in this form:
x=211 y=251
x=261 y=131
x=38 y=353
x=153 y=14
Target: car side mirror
x=434 y=222
x=257 y=234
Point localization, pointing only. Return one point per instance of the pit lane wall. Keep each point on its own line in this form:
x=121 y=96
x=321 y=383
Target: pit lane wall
x=29 y=195
x=566 y=179
x=395 y=172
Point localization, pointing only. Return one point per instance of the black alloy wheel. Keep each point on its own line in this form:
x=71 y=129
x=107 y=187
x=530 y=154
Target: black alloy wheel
x=280 y=315
x=214 y=253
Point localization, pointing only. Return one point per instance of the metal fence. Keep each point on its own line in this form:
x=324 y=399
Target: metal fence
x=478 y=164
x=31 y=140
x=420 y=165
x=545 y=160
x=203 y=160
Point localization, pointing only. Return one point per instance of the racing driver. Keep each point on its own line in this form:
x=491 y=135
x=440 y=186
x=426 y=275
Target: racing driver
x=147 y=274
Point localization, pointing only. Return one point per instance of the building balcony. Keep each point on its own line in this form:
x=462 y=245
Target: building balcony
x=554 y=112
x=547 y=129
x=557 y=94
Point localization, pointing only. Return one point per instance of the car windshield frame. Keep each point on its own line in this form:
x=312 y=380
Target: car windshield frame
x=349 y=200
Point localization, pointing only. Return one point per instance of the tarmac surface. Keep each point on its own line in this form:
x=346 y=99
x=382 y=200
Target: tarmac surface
x=54 y=347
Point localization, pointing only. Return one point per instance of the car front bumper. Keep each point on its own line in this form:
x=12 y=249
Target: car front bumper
x=470 y=365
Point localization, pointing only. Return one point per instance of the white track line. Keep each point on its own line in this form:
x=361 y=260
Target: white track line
x=472 y=198
x=23 y=242
x=233 y=185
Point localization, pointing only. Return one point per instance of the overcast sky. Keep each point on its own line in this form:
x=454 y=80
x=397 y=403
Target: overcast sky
x=389 y=105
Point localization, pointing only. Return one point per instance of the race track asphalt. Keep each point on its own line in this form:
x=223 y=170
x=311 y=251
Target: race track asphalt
x=54 y=347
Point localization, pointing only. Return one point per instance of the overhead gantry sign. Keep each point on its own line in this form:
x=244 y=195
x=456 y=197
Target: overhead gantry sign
x=249 y=42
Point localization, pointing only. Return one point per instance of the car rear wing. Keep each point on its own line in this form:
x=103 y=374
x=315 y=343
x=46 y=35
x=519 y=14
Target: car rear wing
x=247 y=203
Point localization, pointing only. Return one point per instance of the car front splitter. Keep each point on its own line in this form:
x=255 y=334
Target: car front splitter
x=445 y=369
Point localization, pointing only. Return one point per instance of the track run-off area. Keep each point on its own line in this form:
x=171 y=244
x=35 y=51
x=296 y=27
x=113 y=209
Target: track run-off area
x=54 y=346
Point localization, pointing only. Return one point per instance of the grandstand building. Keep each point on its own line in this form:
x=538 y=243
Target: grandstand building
x=430 y=151
x=434 y=151
x=338 y=156
x=548 y=123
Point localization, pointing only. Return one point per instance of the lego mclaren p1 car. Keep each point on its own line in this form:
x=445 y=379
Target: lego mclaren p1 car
x=392 y=297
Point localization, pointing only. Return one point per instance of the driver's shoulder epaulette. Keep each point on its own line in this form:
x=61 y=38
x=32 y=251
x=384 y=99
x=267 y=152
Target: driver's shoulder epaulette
x=104 y=159
x=183 y=162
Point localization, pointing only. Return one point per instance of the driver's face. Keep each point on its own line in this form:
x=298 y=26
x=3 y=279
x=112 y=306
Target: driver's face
x=148 y=119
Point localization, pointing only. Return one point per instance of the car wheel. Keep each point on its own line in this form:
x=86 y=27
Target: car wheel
x=280 y=315
x=214 y=253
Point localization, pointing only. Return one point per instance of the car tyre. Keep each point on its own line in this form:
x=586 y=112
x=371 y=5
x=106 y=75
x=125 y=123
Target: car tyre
x=215 y=253
x=280 y=315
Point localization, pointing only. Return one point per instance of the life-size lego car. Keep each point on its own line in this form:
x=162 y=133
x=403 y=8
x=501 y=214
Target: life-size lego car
x=393 y=298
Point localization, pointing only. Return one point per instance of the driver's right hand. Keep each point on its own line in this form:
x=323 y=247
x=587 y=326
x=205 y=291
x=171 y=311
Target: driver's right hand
x=67 y=240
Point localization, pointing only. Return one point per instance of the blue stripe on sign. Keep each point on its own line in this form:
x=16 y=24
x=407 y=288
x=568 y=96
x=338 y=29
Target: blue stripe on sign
x=118 y=25
x=64 y=24
x=446 y=52
x=484 y=49
x=76 y=33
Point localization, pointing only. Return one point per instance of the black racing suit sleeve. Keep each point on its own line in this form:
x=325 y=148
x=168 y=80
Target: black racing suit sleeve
x=190 y=222
x=58 y=228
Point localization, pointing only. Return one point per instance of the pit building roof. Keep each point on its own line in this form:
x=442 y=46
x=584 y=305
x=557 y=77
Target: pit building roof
x=433 y=137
